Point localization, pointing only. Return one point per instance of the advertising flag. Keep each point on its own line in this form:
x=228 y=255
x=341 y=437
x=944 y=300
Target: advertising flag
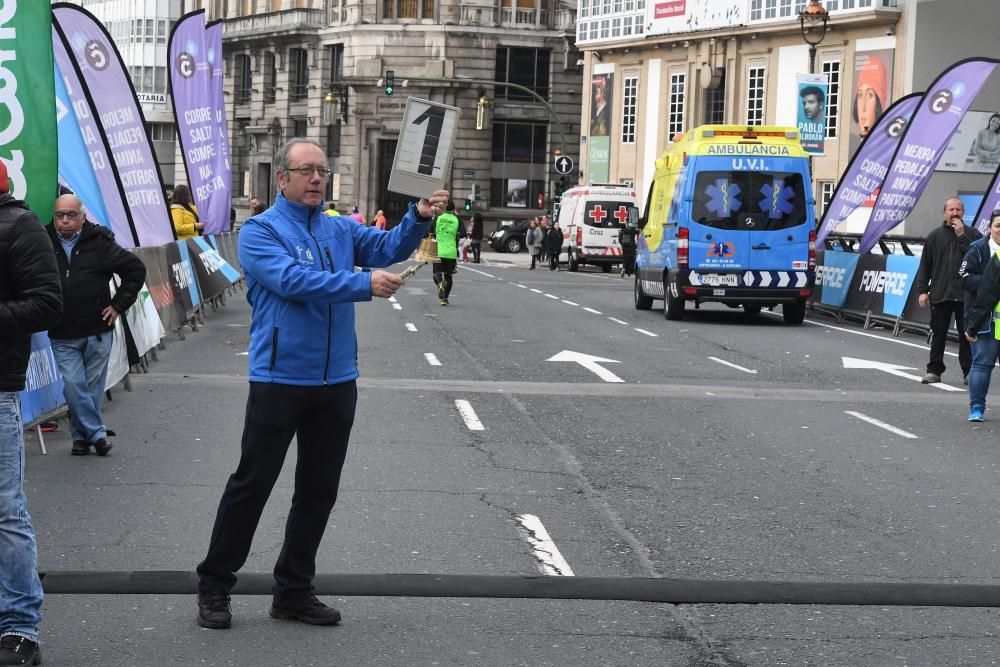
x=223 y=198
x=109 y=90
x=27 y=105
x=990 y=203
x=923 y=142
x=192 y=84
x=813 y=90
x=867 y=169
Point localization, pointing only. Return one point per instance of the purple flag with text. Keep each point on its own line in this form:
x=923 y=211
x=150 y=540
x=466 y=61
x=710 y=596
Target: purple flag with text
x=923 y=142
x=867 y=169
x=990 y=203
x=192 y=65
x=223 y=197
x=109 y=90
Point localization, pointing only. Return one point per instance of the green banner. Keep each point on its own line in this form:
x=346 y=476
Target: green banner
x=28 y=141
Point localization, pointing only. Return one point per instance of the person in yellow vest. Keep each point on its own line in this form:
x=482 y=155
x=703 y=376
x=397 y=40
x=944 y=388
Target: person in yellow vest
x=980 y=274
x=184 y=214
x=446 y=233
x=331 y=210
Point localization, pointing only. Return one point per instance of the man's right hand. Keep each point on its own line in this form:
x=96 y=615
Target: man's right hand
x=969 y=336
x=924 y=300
x=385 y=284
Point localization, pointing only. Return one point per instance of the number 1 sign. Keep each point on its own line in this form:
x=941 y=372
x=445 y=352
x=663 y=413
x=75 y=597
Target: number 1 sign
x=426 y=140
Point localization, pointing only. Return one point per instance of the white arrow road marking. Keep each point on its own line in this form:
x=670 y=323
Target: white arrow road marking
x=783 y=278
x=880 y=424
x=550 y=560
x=590 y=363
x=396 y=306
x=892 y=369
x=410 y=326
x=732 y=365
x=469 y=415
x=432 y=359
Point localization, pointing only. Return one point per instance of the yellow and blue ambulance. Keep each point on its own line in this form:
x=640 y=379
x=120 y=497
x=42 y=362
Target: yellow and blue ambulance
x=729 y=218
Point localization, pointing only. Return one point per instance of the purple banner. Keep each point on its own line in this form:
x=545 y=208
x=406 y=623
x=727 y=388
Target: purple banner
x=224 y=202
x=990 y=203
x=192 y=85
x=923 y=143
x=867 y=169
x=97 y=153
x=109 y=90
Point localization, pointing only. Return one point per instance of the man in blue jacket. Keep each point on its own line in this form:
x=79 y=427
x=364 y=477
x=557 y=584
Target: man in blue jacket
x=302 y=286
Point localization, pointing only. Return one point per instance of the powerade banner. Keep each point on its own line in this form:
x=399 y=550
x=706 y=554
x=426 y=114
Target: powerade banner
x=834 y=274
x=214 y=273
x=27 y=104
x=813 y=89
x=43 y=387
x=867 y=169
x=110 y=93
x=76 y=164
x=602 y=86
x=191 y=86
x=213 y=45
x=922 y=144
x=896 y=282
x=182 y=277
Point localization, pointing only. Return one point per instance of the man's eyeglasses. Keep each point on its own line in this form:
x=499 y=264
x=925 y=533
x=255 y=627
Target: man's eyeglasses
x=69 y=215
x=309 y=171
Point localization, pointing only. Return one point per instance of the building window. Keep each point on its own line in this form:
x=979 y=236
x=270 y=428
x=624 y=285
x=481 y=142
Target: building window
x=242 y=78
x=605 y=28
x=161 y=31
x=616 y=27
x=826 y=189
x=675 y=107
x=298 y=60
x=270 y=74
x=162 y=132
x=755 y=95
x=715 y=102
x=408 y=9
x=515 y=192
x=335 y=60
x=584 y=8
x=785 y=8
x=299 y=127
x=333 y=140
x=770 y=9
x=629 y=89
x=523 y=143
x=526 y=67
x=832 y=70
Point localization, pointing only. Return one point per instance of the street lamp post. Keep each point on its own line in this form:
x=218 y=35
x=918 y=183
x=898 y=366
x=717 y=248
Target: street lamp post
x=334 y=101
x=815 y=23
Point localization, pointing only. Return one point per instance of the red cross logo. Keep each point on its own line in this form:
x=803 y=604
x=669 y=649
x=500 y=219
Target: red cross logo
x=598 y=214
x=621 y=215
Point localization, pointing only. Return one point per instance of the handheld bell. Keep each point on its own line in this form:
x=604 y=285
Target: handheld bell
x=427 y=251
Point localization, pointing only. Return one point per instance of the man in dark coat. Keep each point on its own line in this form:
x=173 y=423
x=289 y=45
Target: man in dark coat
x=553 y=244
x=30 y=301
x=88 y=257
x=476 y=237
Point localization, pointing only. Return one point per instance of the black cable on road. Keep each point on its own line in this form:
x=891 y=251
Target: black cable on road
x=636 y=589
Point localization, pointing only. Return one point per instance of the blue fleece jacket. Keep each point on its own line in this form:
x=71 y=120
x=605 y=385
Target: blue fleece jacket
x=302 y=287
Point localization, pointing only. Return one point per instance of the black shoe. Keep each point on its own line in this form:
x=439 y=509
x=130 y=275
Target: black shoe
x=102 y=446
x=80 y=448
x=214 y=611
x=16 y=650
x=304 y=607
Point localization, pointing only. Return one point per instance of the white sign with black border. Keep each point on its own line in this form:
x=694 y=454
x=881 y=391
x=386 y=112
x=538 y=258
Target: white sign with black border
x=423 y=153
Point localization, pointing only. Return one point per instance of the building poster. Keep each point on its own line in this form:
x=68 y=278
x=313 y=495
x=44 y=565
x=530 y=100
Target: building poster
x=975 y=146
x=602 y=86
x=871 y=93
x=673 y=16
x=811 y=117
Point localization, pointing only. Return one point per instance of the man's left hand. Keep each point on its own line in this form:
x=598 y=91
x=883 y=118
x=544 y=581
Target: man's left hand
x=434 y=206
x=109 y=315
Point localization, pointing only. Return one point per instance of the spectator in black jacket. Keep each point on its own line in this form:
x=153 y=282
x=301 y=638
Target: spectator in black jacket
x=553 y=244
x=30 y=301
x=476 y=238
x=939 y=286
x=982 y=295
x=88 y=257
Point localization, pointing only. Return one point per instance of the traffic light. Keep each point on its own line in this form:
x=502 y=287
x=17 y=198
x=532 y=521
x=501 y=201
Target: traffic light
x=561 y=187
x=468 y=204
x=390 y=81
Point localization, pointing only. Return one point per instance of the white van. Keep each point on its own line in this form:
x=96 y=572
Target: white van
x=590 y=217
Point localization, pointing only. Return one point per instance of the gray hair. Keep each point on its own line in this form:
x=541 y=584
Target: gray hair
x=281 y=157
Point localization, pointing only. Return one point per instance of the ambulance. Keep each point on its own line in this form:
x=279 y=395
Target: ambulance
x=590 y=218
x=729 y=218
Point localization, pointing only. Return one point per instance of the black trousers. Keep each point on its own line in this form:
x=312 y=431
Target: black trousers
x=477 y=248
x=628 y=262
x=941 y=314
x=321 y=418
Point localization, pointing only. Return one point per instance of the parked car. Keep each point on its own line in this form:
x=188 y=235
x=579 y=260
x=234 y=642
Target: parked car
x=510 y=239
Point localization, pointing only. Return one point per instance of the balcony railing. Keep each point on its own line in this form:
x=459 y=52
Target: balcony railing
x=520 y=16
x=285 y=21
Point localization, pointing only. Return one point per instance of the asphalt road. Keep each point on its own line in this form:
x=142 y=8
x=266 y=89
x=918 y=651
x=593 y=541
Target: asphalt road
x=723 y=446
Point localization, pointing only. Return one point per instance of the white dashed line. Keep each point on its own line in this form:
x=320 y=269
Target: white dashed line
x=550 y=560
x=537 y=291
x=410 y=326
x=880 y=424
x=648 y=333
x=552 y=296
x=615 y=319
x=732 y=365
x=482 y=273
x=469 y=415
x=432 y=359
x=591 y=310
x=570 y=303
x=521 y=286
x=396 y=306
x=392 y=299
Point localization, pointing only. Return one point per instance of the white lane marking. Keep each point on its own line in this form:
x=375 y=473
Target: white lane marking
x=615 y=319
x=589 y=362
x=648 y=333
x=591 y=310
x=396 y=306
x=864 y=333
x=469 y=415
x=410 y=326
x=432 y=359
x=552 y=296
x=521 y=286
x=732 y=365
x=570 y=303
x=880 y=424
x=537 y=291
x=242 y=354
x=392 y=299
x=892 y=369
x=482 y=273
x=550 y=560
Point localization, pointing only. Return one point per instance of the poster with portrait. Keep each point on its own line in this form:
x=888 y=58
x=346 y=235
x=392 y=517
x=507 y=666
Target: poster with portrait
x=975 y=146
x=517 y=193
x=602 y=86
x=870 y=95
x=811 y=118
